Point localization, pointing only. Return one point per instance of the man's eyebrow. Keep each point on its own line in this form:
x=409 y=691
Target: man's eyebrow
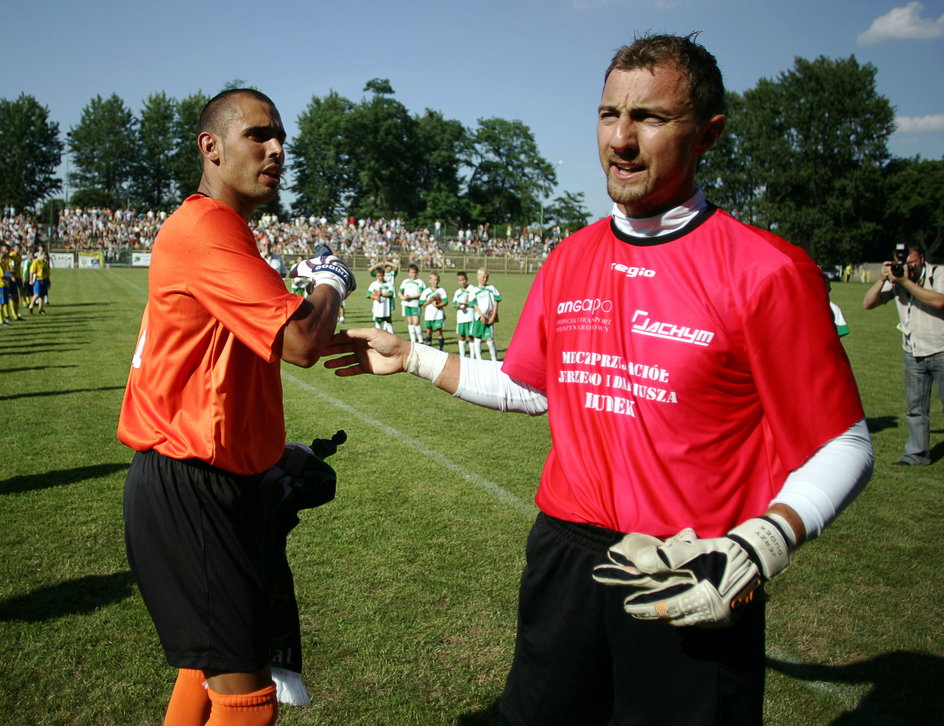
x=264 y=130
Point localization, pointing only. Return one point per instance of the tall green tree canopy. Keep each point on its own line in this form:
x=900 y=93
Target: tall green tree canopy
x=382 y=137
x=153 y=174
x=320 y=157
x=568 y=211
x=442 y=147
x=508 y=177
x=914 y=210
x=104 y=149
x=727 y=173
x=186 y=162
x=30 y=151
x=817 y=138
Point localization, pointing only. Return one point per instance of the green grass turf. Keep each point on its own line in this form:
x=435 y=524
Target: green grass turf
x=407 y=581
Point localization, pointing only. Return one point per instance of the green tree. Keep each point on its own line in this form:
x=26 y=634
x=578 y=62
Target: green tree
x=442 y=145
x=509 y=177
x=320 y=157
x=568 y=211
x=914 y=208
x=383 y=142
x=817 y=137
x=104 y=150
x=727 y=173
x=30 y=151
x=153 y=183
x=186 y=162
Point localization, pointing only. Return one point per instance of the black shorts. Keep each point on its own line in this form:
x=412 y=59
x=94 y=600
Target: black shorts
x=194 y=539
x=581 y=660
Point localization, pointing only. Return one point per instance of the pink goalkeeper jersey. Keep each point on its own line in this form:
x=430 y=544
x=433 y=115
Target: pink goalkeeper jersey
x=686 y=376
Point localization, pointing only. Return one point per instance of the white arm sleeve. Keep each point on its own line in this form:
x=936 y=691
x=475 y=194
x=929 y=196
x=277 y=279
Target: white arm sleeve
x=482 y=382
x=820 y=489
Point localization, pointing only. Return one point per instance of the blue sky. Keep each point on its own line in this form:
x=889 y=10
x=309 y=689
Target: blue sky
x=540 y=61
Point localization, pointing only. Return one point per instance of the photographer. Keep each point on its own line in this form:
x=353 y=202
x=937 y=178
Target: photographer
x=918 y=289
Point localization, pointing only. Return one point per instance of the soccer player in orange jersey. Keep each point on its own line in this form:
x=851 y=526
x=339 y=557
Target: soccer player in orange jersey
x=203 y=412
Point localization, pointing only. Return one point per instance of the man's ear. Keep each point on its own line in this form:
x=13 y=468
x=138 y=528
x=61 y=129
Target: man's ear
x=209 y=146
x=710 y=133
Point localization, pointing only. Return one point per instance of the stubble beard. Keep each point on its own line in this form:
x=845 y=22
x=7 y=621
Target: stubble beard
x=625 y=194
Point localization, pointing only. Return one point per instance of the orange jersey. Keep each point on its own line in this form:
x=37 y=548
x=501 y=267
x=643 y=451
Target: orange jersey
x=204 y=380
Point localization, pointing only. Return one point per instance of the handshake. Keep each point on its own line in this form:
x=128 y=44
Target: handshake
x=685 y=580
x=326 y=269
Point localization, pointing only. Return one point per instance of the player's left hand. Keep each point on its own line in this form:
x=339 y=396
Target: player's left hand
x=366 y=350
x=690 y=581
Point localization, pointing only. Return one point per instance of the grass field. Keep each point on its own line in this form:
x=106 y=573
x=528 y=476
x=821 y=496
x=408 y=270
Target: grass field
x=407 y=581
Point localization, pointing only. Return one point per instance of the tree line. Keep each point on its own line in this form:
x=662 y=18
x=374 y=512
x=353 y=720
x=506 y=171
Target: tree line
x=804 y=154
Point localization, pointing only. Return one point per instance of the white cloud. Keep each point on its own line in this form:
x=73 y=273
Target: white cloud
x=903 y=24
x=920 y=124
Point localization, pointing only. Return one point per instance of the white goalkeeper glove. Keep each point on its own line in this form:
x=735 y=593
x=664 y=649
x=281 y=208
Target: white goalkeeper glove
x=326 y=269
x=690 y=581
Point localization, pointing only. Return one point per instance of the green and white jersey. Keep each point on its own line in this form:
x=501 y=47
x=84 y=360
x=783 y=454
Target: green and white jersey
x=412 y=288
x=431 y=311
x=380 y=308
x=485 y=297
x=462 y=302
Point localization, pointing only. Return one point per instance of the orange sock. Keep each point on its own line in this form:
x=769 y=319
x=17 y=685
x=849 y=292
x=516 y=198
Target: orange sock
x=189 y=703
x=259 y=708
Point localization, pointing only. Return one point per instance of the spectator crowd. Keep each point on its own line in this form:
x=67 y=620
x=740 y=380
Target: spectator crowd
x=112 y=231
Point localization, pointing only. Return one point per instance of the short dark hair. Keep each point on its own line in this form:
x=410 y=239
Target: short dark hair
x=216 y=111
x=700 y=67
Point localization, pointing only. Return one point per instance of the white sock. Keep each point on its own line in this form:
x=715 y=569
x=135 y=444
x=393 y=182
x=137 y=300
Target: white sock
x=491 y=349
x=462 y=349
x=477 y=348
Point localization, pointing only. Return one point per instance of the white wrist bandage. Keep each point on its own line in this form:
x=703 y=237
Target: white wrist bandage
x=332 y=282
x=426 y=362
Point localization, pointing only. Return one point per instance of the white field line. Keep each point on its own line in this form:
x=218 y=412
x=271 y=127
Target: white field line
x=496 y=490
x=846 y=696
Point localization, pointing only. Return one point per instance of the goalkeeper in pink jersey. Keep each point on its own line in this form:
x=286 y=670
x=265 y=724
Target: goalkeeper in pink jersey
x=702 y=426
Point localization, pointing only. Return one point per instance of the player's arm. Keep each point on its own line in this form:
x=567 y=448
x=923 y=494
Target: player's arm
x=307 y=333
x=493 y=314
x=369 y=350
x=309 y=330
x=882 y=291
x=687 y=580
x=930 y=298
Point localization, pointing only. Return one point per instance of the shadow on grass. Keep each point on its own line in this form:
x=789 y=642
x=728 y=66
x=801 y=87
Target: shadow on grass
x=489 y=717
x=73 y=597
x=937 y=452
x=880 y=423
x=46 y=480
x=40 y=394
x=906 y=687
x=36 y=368
x=34 y=349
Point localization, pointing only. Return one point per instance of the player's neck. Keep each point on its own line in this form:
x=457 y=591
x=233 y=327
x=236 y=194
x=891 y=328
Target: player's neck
x=667 y=222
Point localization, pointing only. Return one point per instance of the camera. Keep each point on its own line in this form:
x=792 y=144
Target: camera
x=901 y=259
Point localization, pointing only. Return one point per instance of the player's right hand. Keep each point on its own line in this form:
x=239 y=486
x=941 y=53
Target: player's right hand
x=366 y=350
